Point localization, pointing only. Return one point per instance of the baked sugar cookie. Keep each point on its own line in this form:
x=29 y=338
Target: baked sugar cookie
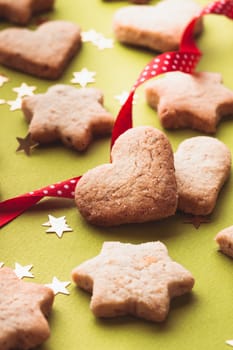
x=158 y=27
x=44 y=52
x=197 y=101
x=66 y=113
x=21 y=11
x=138 y=186
x=202 y=166
x=24 y=307
x=138 y=280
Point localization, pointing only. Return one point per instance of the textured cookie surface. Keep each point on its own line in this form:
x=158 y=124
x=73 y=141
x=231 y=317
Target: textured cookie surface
x=21 y=11
x=225 y=241
x=23 y=307
x=138 y=186
x=158 y=27
x=202 y=166
x=44 y=52
x=140 y=1
x=135 y=1
x=196 y=101
x=72 y=115
x=133 y=279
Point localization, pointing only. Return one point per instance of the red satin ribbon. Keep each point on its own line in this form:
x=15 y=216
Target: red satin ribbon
x=185 y=60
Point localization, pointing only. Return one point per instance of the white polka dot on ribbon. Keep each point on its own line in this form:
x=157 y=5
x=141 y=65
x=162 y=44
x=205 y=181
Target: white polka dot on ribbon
x=167 y=62
x=63 y=189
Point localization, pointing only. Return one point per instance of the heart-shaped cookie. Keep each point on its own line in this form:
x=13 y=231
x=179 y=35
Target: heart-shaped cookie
x=202 y=166
x=138 y=186
x=21 y=11
x=44 y=52
x=159 y=27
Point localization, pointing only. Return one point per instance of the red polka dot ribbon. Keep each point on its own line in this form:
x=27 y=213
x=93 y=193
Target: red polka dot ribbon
x=185 y=60
x=13 y=207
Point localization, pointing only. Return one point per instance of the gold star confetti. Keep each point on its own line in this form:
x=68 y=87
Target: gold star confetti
x=58 y=286
x=23 y=271
x=57 y=225
x=83 y=77
x=196 y=220
x=26 y=144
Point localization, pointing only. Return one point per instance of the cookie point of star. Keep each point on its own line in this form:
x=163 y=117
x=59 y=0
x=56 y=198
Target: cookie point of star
x=26 y=144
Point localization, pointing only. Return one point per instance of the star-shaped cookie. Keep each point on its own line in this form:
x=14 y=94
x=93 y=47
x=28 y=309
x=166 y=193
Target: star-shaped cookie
x=21 y=11
x=64 y=112
x=23 y=308
x=44 y=52
x=133 y=279
x=196 y=101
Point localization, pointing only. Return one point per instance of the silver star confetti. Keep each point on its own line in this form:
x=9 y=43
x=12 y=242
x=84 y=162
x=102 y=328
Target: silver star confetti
x=83 y=77
x=1 y=264
x=58 y=286
x=123 y=97
x=57 y=225
x=97 y=39
x=23 y=271
x=90 y=36
x=229 y=342
x=16 y=104
x=24 y=90
x=2 y=102
x=3 y=80
x=104 y=43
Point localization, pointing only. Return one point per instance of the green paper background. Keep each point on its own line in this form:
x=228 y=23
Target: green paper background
x=201 y=320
